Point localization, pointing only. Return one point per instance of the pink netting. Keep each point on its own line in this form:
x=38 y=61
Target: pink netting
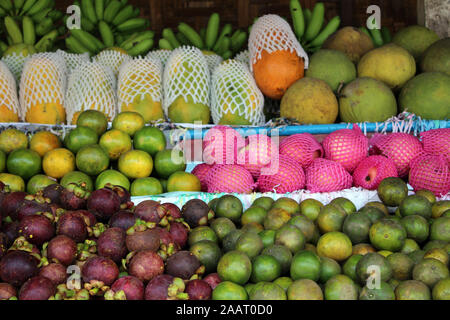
x=430 y=172
x=324 y=175
x=229 y=178
x=221 y=144
x=347 y=147
x=402 y=148
x=288 y=177
x=301 y=147
x=201 y=171
x=258 y=152
x=372 y=170
x=436 y=142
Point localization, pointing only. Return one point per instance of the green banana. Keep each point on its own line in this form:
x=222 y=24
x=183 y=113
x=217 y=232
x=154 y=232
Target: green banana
x=226 y=31
x=138 y=37
x=39 y=6
x=331 y=27
x=27 y=6
x=240 y=40
x=3 y=47
x=191 y=34
x=86 y=39
x=87 y=25
x=75 y=46
x=99 y=8
x=235 y=35
x=38 y=17
x=316 y=22
x=124 y=14
x=88 y=10
x=376 y=37
x=132 y=24
x=119 y=38
x=55 y=15
x=386 y=35
x=164 y=44
x=29 y=33
x=298 y=20
x=111 y=10
x=182 y=39
x=2 y=12
x=170 y=36
x=127 y=43
x=106 y=33
x=136 y=12
x=141 y=48
x=307 y=15
x=212 y=30
x=13 y=30
x=202 y=34
x=18 y=4
x=7 y=5
x=225 y=45
x=366 y=31
x=227 y=55
x=47 y=41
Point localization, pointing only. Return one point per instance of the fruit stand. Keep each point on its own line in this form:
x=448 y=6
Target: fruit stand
x=224 y=150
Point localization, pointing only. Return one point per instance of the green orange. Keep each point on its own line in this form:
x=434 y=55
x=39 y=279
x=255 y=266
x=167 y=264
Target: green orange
x=92 y=160
x=331 y=218
x=150 y=140
x=146 y=187
x=387 y=234
x=93 y=119
x=340 y=287
x=235 y=266
x=183 y=181
x=311 y=208
x=77 y=177
x=304 y=289
x=265 y=268
x=136 y=164
x=289 y=205
x=39 y=182
x=58 y=162
x=168 y=162
x=115 y=143
x=24 y=162
x=80 y=137
x=43 y=142
x=305 y=265
x=128 y=122
x=12 y=139
x=230 y=207
x=14 y=182
x=113 y=177
x=2 y=161
x=335 y=245
x=228 y=290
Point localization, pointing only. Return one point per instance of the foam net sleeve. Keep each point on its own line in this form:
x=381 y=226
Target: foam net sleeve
x=15 y=63
x=234 y=91
x=302 y=147
x=161 y=54
x=272 y=33
x=431 y=172
x=8 y=90
x=229 y=178
x=91 y=86
x=73 y=60
x=112 y=58
x=437 y=142
x=324 y=175
x=186 y=75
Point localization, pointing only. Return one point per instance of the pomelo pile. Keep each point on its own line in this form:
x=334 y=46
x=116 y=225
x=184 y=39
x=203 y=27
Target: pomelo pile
x=344 y=159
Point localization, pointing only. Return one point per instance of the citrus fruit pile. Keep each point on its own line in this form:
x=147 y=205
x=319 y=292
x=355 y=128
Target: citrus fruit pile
x=129 y=154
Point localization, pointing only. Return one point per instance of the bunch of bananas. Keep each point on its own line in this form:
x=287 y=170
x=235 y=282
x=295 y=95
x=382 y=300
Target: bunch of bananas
x=309 y=26
x=225 y=43
x=379 y=36
x=107 y=24
x=29 y=22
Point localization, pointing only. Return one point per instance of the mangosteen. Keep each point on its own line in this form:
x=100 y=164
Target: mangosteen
x=122 y=219
x=62 y=249
x=103 y=203
x=55 y=272
x=11 y=231
x=37 y=288
x=17 y=266
x=165 y=287
x=37 y=229
x=140 y=237
x=126 y=288
x=111 y=244
x=124 y=196
x=213 y=280
x=196 y=213
x=11 y=202
x=88 y=217
x=145 y=265
x=167 y=246
x=100 y=269
x=21 y=244
x=74 y=196
x=64 y=293
x=7 y=291
x=150 y=211
x=184 y=265
x=172 y=211
x=72 y=225
x=3 y=244
x=179 y=232
x=31 y=205
x=53 y=192
x=85 y=251
x=198 y=290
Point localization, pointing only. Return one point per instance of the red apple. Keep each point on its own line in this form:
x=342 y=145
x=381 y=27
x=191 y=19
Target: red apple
x=372 y=170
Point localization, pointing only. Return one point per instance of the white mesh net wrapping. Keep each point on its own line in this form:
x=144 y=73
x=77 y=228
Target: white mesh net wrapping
x=161 y=54
x=187 y=75
x=112 y=58
x=244 y=57
x=8 y=90
x=73 y=60
x=15 y=63
x=91 y=86
x=234 y=91
x=137 y=78
x=44 y=79
x=213 y=61
x=272 y=33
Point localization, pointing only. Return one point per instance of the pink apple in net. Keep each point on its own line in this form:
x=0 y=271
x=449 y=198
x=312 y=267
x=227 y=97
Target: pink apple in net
x=281 y=176
x=324 y=175
x=302 y=147
x=372 y=170
x=201 y=171
x=229 y=178
x=437 y=142
x=431 y=172
x=221 y=144
x=258 y=152
x=401 y=148
x=347 y=147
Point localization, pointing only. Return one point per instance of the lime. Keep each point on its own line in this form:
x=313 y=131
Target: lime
x=150 y=140
x=146 y=187
x=24 y=163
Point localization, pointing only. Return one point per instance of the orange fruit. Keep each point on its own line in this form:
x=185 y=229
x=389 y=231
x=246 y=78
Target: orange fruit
x=43 y=142
x=136 y=164
x=128 y=122
x=46 y=113
x=58 y=162
x=12 y=139
x=115 y=143
x=183 y=181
